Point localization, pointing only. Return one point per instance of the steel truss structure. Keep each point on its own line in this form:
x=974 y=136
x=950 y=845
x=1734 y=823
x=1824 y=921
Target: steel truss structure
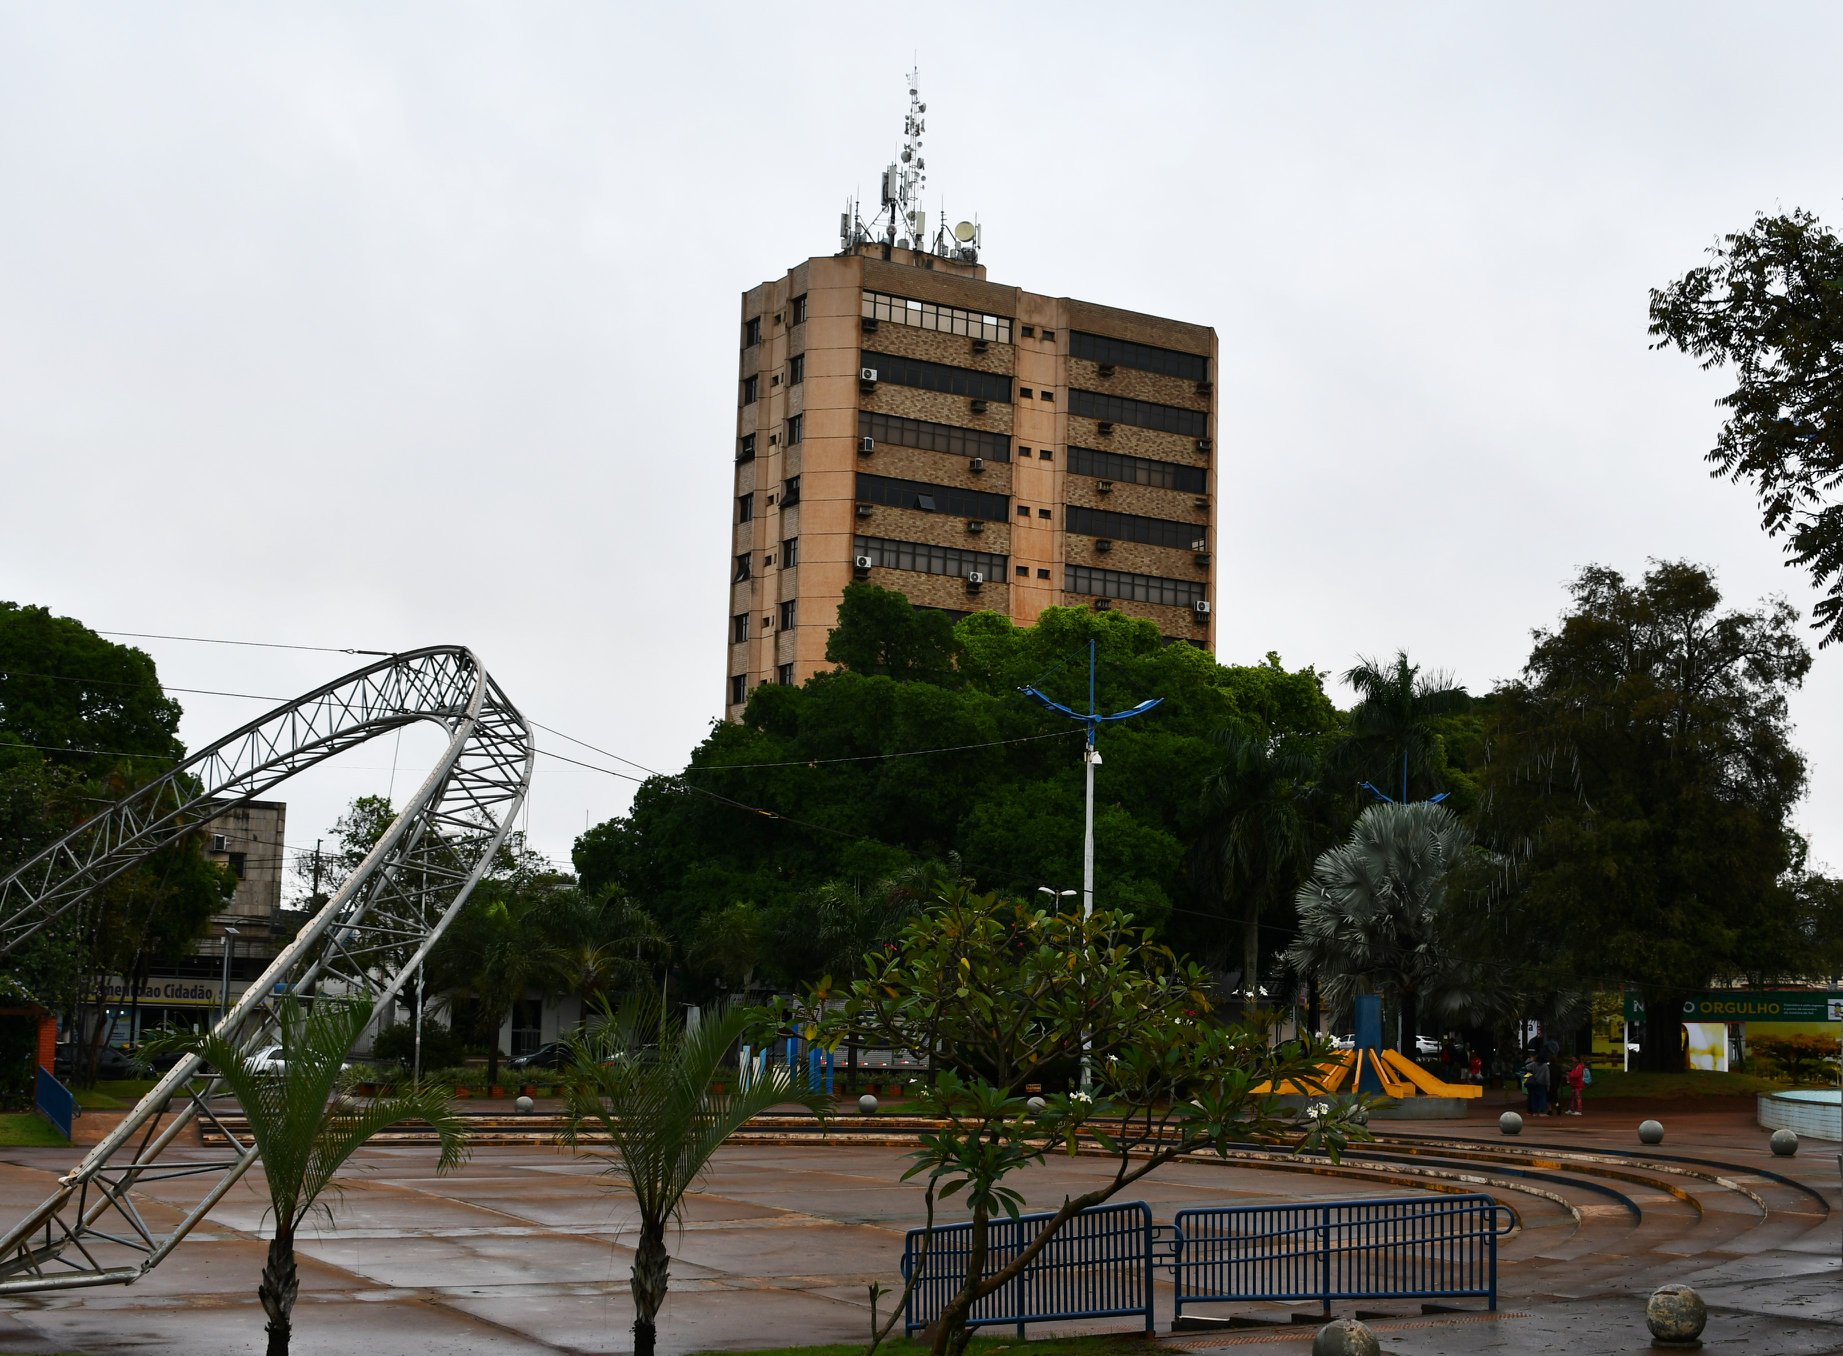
x=367 y=940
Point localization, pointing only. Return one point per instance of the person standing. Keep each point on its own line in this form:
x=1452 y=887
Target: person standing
x=1539 y=1087
x=1577 y=1086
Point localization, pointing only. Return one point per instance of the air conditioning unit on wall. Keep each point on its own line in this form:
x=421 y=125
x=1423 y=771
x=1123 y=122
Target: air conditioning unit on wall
x=863 y=562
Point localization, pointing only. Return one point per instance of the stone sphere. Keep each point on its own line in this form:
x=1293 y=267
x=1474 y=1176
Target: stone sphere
x=1651 y=1132
x=524 y=1104
x=1345 y=1337
x=867 y=1105
x=1510 y=1123
x=1036 y=1105
x=1784 y=1142
x=1676 y=1315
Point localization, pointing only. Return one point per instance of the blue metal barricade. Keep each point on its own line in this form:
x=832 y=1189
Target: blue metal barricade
x=55 y=1101
x=1098 y=1265
x=1416 y=1247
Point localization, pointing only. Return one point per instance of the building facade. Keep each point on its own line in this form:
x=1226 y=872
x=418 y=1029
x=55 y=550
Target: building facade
x=974 y=446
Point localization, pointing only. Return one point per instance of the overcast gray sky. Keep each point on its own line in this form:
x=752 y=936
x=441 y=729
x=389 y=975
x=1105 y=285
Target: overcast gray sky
x=383 y=325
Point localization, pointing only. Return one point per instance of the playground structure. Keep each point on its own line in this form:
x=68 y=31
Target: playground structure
x=366 y=941
x=1368 y=1068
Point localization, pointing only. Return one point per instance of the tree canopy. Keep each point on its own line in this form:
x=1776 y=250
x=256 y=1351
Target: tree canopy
x=1769 y=304
x=864 y=772
x=1642 y=786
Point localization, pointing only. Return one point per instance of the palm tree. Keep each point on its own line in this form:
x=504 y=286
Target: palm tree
x=644 y=1097
x=594 y=945
x=305 y=1130
x=1371 y=916
x=488 y=957
x=1260 y=833
x=1392 y=726
x=850 y=922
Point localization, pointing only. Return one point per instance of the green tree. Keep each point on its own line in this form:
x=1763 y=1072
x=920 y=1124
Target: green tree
x=1260 y=832
x=646 y=1098
x=1392 y=736
x=1372 y=916
x=1769 y=304
x=594 y=945
x=1642 y=787
x=879 y=633
x=305 y=1130
x=84 y=721
x=1006 y=994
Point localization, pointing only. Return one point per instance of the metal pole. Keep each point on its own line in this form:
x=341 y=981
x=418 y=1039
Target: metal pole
x=1089 y=756
x=230 y=942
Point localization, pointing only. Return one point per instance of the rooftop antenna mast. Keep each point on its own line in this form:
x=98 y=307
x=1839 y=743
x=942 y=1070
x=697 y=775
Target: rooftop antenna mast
x=901 y=221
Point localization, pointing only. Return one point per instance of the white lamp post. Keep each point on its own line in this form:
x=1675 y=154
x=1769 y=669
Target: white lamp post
x=230 y=944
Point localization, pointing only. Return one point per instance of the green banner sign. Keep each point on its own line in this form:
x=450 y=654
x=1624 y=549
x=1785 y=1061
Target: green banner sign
x=1741 y=1005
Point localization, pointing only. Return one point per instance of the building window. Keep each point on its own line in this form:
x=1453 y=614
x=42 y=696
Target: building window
x=739 y=628
x=1047 y=455
x=942 y=377
x=1022 y=512
x=1132 y=527
x=919 y=494
x=739 y=688
x=751 y=390
x=1023 y=393
x=1086 y=461
x=1043 y=513
x=929 y=315
x=1047 y=395
x=745 y=447
x=1023 y=572
x=796 y=369
x=787 y=614
x=790 y=491
x=1023 y=451
x=745 y=507
x=1098 y=348
x=752 y=331
x=798 y=310
x=1049 y=335
x=1140 y=413
x=742 y=568
x=1043 y=574
x=926 y=559
x=1138 y=588
x=929 y=437
x=1030 y=331
x=235 y=861
x=796 y=428
x=784 y=675
x=790 y=553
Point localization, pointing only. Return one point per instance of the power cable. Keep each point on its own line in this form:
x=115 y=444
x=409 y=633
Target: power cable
x=252 y=644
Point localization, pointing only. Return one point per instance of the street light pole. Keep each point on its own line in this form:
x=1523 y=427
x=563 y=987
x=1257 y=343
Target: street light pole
x=1091 y=758
x=230 y=943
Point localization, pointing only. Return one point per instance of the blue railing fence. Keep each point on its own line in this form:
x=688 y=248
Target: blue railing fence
x=1416 y=1247
x=1098 y=1265
x=55 y=1100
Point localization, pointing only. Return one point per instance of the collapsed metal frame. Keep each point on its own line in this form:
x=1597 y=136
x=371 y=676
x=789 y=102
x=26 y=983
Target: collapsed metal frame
x=367 y=940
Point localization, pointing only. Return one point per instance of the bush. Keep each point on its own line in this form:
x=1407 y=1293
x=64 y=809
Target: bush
x=441 y=1048
x=1796 y=1059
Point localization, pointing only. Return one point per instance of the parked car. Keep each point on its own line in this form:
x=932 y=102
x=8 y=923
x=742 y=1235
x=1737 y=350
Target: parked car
x=110 y=1062
x=1343 y=1042
x=1427 y=1045
x=268 y=1060
x=552 y=1055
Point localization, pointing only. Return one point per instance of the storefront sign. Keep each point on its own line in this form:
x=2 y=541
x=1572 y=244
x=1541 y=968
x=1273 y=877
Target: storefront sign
x=164 y=992
x=1738 y=1005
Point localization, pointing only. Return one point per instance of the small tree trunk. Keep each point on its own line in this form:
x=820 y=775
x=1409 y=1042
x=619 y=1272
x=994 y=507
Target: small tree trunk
x=652 y=1264
x=949 y=1333
x=280 y=1284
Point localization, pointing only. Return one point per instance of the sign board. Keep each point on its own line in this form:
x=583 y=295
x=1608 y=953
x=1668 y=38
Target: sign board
x=1746 y=1005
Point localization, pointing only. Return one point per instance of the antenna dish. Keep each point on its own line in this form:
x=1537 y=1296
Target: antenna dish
x=963 y=232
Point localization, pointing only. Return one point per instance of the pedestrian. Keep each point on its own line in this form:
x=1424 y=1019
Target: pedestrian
x=1539 y=1088
x=1577 y=1086
x=1476 y=1071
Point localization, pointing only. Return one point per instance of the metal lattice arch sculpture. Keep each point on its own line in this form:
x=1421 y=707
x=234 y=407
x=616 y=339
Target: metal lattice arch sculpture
x=368 y=939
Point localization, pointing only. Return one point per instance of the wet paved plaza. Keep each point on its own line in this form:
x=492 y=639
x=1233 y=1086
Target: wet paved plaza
x=525 y=1250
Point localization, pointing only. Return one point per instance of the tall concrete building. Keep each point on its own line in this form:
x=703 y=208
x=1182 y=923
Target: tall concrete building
x=904 y=420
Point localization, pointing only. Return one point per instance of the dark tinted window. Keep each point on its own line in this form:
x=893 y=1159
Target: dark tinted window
x=1124 y=353
x=919 y=494
x=939 y=377
x=1140 y=413
x=1129 y=470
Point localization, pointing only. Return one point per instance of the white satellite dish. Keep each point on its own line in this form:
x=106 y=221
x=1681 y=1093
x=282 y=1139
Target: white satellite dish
x=964 y=232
